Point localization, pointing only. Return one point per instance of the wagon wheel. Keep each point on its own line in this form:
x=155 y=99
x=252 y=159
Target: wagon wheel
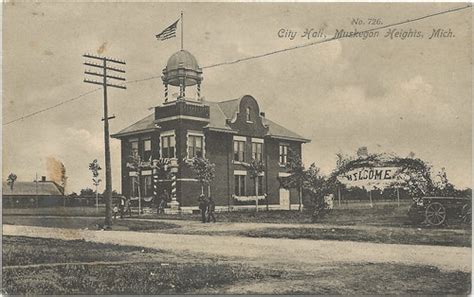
x=435 y=214
x=466 y=213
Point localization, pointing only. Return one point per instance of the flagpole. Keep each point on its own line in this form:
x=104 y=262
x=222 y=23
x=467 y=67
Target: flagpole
x=181 y=30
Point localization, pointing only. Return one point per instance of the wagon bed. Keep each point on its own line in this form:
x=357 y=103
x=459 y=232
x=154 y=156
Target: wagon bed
x=434 y=211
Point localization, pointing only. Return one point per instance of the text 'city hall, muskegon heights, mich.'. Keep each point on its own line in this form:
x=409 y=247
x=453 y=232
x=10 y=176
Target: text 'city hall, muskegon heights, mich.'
x=228 y=133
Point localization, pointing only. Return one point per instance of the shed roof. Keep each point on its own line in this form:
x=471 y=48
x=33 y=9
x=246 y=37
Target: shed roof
x=22 y=188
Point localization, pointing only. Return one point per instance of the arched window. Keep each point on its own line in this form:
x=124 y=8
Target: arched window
x=248 y=114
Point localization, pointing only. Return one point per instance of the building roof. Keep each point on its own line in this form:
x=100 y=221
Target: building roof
x=182 y=58
x=144 y=125
x=217 y=117
x=278 y=131
x=229 y=107
x=219 y=112
x=22 y=188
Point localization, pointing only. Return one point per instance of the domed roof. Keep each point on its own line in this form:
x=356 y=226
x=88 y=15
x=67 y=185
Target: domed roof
x=182 y=68
x=182 y=58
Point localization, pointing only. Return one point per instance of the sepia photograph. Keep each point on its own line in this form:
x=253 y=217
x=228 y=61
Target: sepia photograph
x=240 y=148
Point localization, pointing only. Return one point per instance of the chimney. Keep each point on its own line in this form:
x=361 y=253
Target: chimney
x=43 y=178
x=262 y=114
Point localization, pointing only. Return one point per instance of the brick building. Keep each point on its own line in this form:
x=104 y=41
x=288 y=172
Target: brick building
x=228 y=133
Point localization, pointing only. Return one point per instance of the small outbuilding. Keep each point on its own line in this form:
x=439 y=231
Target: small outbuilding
x=32 y=194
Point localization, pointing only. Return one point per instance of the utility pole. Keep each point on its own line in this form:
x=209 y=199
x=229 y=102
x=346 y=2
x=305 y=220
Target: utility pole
x=36 y=189
x=104 y=66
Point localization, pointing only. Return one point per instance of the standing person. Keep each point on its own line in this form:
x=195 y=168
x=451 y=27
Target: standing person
x=211 y=209
x=128 y=209
x=203 y=207
x=122 y=206
x=115 y=210
x=162 y=206
x=164 y=198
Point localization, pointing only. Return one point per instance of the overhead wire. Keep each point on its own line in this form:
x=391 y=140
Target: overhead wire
x=247 y=59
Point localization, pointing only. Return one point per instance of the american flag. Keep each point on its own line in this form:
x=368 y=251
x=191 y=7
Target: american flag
x=169 y=32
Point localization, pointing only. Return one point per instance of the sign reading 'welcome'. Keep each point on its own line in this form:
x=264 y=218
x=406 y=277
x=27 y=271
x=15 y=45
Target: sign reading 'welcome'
x=375 y=177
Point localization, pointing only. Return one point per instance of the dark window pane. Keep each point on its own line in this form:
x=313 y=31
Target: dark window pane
x=236 y=185
x=260 y=185
x=242 y=185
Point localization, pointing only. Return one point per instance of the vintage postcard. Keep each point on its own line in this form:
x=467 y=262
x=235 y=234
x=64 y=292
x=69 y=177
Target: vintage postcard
x=236 y=148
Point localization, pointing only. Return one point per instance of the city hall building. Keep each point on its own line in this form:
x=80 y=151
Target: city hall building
x=227 y=133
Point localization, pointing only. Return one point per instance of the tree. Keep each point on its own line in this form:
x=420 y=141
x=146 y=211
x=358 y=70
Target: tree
x=316 y=188
x=362 y=151
x=162 y=167
x=255 y=168
x=86 y=192
x=11 y=180
x=204 y=171
x=297 y=177
x=57 y=172
x=442 y=187
x=315 y=183
x=94 y=167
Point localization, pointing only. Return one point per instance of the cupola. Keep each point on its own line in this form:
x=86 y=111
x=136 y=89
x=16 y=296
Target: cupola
x=182 y=70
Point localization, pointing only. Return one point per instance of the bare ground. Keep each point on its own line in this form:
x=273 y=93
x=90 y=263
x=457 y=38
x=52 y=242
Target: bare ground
x=269 y=252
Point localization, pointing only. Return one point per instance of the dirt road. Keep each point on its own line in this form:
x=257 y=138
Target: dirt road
x=266 y=251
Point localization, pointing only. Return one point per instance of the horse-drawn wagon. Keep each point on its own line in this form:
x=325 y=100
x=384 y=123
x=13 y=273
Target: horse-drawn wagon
x=435 y=211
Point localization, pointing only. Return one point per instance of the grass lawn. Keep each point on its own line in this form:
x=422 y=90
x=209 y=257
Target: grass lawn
x=56 y=211
x=154 y=273
x=378 y=235
x=90 y=223
x=151 y=271
x=379 y=215
x=20 y=250
x=387 y=215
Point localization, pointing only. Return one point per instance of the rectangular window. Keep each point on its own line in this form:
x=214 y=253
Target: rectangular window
x=239 y=150
x=146 y=150
x=133 y=186
x=283 y=154
x=260 y=186
x=195 y=145
x=147 y=187
x=239 y=184
x=168 y=146
x=257 y=151
x=134 y=147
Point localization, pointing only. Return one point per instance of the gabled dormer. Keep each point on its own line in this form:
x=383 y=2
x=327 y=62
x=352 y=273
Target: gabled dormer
x=247 y=120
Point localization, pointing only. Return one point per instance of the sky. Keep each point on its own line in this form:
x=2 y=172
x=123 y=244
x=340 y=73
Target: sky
x=390 y=95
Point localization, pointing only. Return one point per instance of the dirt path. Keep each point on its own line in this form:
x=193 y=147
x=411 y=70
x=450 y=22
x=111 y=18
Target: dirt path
x=267 y=251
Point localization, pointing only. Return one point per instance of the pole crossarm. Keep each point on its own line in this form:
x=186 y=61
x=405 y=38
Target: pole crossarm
x=108 y=84
x=102 y=66
x=117 y=86
x=101 y=75
x=104 y=58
